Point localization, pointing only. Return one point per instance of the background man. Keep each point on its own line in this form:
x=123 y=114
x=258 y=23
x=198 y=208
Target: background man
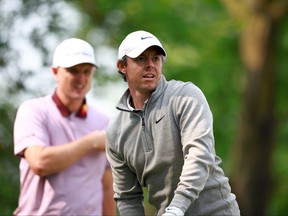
x=60 y=139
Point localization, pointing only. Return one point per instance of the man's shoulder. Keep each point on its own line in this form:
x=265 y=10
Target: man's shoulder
x=95 y=111
x=96 y=116
x=116 y=120
x=179 y=83
x=185 y=90
x=36 y=103
x=37 y=100
x=182 y=86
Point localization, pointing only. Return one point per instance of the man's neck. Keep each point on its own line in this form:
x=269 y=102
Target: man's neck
x=138 y=100
x=71 y=105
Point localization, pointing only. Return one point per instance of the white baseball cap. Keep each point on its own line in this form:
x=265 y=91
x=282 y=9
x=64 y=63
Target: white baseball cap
x=73 y=51
x=137 y=42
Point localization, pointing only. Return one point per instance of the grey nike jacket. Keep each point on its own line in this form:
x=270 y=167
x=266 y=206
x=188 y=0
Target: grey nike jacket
x=168 y=147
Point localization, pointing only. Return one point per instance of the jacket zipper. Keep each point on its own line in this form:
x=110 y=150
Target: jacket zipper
x=141 y=115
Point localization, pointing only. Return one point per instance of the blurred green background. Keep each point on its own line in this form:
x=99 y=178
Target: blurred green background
x=234 y=50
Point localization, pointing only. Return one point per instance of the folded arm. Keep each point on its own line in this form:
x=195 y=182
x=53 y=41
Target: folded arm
x=47 y=160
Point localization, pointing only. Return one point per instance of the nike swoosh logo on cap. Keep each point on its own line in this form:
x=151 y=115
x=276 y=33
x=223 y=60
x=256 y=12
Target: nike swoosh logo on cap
x=158 y=120
x=143 y=38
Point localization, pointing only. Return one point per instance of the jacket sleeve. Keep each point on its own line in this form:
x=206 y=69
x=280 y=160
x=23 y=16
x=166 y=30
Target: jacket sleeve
x=128 y=192
x=196 y=128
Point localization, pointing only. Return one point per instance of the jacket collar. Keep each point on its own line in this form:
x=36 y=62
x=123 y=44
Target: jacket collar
x=81 y=113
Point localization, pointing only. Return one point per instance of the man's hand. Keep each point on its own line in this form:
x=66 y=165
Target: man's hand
x=97 y=140
x=173 y=211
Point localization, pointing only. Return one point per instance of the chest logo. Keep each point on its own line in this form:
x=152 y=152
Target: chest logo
x=158 y=120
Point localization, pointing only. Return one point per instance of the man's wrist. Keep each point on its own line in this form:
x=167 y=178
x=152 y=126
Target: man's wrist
x=173 y=211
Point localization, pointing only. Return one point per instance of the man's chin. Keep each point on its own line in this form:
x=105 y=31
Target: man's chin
x=77 y=96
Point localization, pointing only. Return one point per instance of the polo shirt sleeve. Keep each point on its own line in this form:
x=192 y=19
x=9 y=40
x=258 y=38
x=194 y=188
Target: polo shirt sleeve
x=29 y=126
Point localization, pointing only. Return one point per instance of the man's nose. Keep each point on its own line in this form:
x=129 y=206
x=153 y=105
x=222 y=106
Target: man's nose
x=149 y=61
x=81 y=76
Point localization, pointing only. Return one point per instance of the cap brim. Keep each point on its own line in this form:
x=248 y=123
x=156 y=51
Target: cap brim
x=136 y=52
x=70 y=62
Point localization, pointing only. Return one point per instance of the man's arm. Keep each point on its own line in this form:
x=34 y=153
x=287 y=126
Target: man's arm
x=128 y=191
x=109 y=205
x=53 y=159
x=198 y=147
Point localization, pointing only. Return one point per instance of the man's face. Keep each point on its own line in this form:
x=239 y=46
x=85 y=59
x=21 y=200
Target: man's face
x=73 y=83
x=143 y=73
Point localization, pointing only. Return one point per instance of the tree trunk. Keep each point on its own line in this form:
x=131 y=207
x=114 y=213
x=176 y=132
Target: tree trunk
x=251 y=173
x=251 y=180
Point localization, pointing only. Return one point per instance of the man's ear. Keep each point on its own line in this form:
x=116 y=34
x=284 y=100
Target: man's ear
x=54 y=70
x=121 y=66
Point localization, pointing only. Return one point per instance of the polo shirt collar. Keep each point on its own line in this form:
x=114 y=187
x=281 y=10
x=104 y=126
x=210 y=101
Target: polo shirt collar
x=81 y=113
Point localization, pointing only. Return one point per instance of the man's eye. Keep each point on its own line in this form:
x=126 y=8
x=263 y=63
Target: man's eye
x=140 y=58
x=87 y=72
x=156 y=58
x=72 y=71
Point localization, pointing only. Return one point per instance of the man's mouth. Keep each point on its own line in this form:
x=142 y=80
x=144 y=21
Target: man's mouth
x=79 y=86
x=150 y=76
